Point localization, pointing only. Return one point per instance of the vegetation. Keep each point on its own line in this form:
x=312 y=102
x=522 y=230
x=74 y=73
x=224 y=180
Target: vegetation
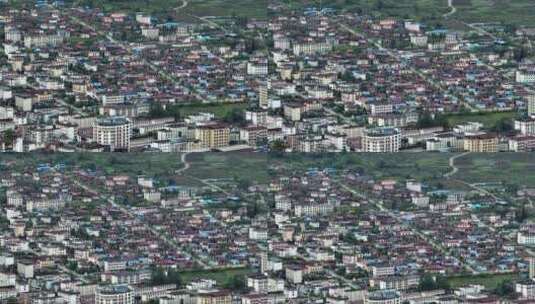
x=489 y=281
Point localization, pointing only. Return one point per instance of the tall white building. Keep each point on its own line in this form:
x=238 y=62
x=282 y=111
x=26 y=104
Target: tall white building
x=114 y=132
x=381 y=140
x=531 y=105
x=114 y=294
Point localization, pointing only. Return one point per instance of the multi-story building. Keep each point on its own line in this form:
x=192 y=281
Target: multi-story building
x=114 y=132
x=381 y=140
x=213 y=135
x=214 y=297
x=526 y=126
x=383 y=297
x=531 y=105
x=526 y=74
x=114 y=294
x=522 y=144
x=481 y=143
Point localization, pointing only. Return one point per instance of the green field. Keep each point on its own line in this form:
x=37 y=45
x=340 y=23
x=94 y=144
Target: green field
x=506 y=11
x=489 y=281
x=152 y=164
x=225 y=8
x=517 y=168
x=432 y=11
x=397 y=165
x=219 y=110
x=488 y=120
x=220 y=276
x=183 y=8
x=241 y=165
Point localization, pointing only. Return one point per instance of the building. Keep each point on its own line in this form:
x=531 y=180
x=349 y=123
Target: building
x=114 y=294
x=114 y=132
x=213 y=135
x=522 y=144
x=381 y=140
x=531 y=105
x=214 y=297
x=383 y=297
x=484 y=143
x=526 y=126
x=525 y=75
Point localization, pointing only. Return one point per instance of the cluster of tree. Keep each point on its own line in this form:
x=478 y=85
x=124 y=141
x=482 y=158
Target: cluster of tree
x=430 y=282
x=426 y=120
x=235 y=282
x=161 y=276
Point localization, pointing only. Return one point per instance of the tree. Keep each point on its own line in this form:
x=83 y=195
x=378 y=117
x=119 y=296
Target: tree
x=235 y=116
x=505 y=288
x=9 y=137
x=236 y=283
x=427 y=283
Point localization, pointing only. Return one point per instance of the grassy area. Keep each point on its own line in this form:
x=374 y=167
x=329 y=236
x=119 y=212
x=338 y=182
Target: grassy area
x=219 y=110
x=201 y=8
x=489 y=281
x=152 y=164
x=242 y=8
x=397 y=165
x=488 y=120
x=242 y=165
x=517 y=168
x=431 y=11
x=506 y=11
x=417 y=9
x=220 y=276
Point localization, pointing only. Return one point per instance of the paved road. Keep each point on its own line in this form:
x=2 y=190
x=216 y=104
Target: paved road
x=454 y=169
x=155 y=68
x=171 y=242
x=452 y=11
x=396 y=56
x=395 y=216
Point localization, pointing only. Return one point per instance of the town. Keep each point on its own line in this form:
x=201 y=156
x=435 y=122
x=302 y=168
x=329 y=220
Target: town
x=78 y=78
x=81 y=230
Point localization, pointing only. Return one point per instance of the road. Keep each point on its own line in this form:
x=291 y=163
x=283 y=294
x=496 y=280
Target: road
x=379 y=205
x=171 y=242
x=452 y=11
x=451 y=161
x=396 y=56
x=183 y=159
x=155 y=68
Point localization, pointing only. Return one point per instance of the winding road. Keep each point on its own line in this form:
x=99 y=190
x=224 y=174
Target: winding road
x=451 y=161
x=452 y=11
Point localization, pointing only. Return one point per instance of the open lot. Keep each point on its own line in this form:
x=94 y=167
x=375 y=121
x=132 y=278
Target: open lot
x=515 y=168
x=489 y=281
x=201 y=8
x=488 y=120
x=506 y=11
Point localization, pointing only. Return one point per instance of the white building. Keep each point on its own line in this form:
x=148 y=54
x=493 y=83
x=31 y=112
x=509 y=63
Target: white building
x=114 y=132
x=381 y=140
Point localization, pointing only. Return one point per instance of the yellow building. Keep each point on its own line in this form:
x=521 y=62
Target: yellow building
x=213 y=135
x=214 y=297
x=481 y=143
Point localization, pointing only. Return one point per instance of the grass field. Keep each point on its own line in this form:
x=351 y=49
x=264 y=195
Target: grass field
x=489 y=281
x=470 y=11
x=219 y=110
x=200 y=8
x=152 y=164
x=515 y=168
x=242 y=8
x=243 y=165
x=401 y=165
x=506 y=11
x=220 y=276
x=487 y=119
